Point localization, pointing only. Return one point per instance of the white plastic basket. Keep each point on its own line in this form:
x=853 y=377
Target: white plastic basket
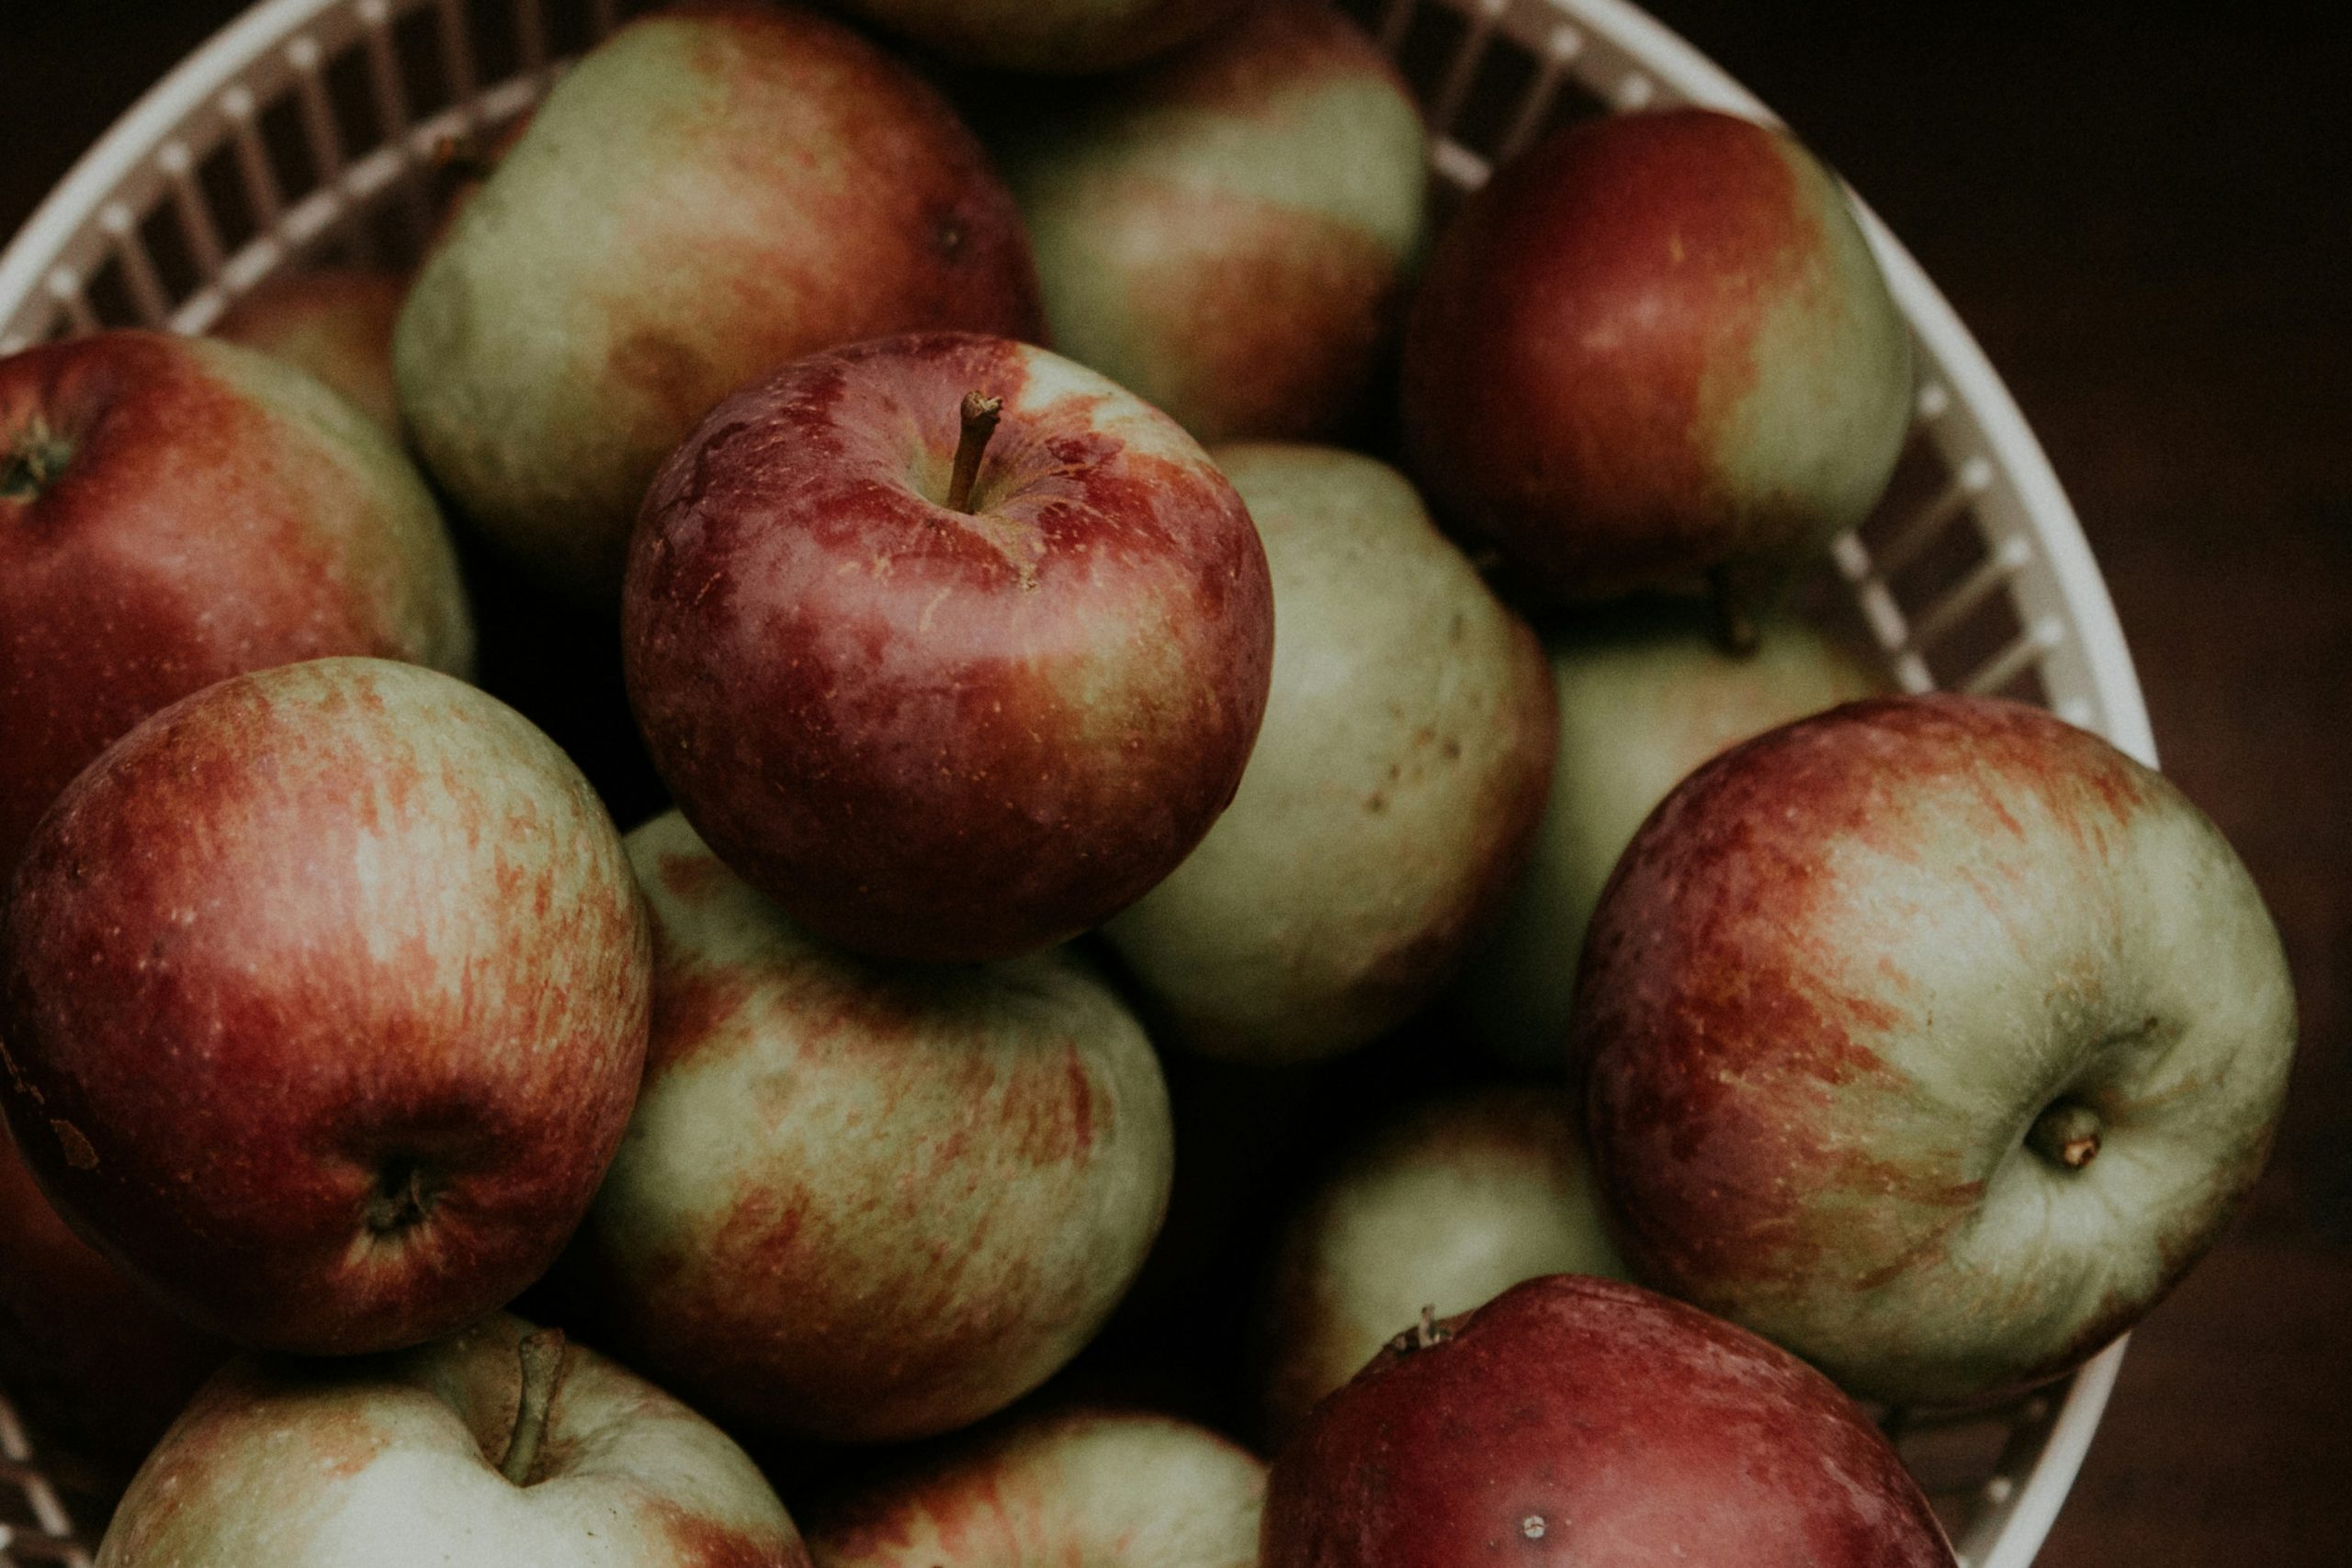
x=308 y=128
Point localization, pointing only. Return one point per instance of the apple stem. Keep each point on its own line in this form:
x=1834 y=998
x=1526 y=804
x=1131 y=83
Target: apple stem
x=1422 y=1335
x=1735 y=628
x=541 y=1353
x=2066 y=1133
x=35 y=459
x=460 y=156
x=980 y=414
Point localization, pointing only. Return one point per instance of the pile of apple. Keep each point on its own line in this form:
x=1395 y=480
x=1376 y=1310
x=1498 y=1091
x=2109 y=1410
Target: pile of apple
x=1098 y=958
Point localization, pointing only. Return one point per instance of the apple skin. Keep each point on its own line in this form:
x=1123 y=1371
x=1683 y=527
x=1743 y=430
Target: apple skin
x=323 y=1002
x=335 y=322
x=1646 y=695
x=1076 y=1486
x=1057 y=37
x=385 y=1461
x=1226 y=232
x=1848 y=982
x=1654 y=345
x=92 y=1361
x=929 y=733
x=1586 y=1421
x=1445 y=1207
x=1393 y=793
x=864 y=1201
x=712 y=191
x=208 y=511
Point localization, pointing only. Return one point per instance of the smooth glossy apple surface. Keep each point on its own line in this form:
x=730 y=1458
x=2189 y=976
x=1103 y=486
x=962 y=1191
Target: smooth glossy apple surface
x=174 y=512
x=1932 y=1038
x=1057 y=36
x=93 y=1361
x=1227 y=232
x=1393 y=793
x=1655 y=345
x=391 y=1462
x=863 y=1200
x=708 y=193
x=1646 y=692
x=1589 y=1423
x=1079 y=1486
x=936 y=733
x=335 y=322
x=1444 y=1207
x=324 y=997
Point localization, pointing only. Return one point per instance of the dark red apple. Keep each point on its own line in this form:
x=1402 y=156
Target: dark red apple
x=322 y=1003
x=173 y=510
x=1652 y=347
x=335 y=322
x=1580 y=1421
x=1931 y=1037
x=936 y=713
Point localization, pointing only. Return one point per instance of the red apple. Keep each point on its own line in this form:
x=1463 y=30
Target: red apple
x=943 y=726
x=713 y=190
x=1932 y=1038
x=1581 y=1421
x=1228 y=232
x=335 y=322
x=91 y=1359
x=1079 y=1488
x=863 y=1200
x=501 y=1447
x=1656 y=346
x=322 y=1003
x=174 y=511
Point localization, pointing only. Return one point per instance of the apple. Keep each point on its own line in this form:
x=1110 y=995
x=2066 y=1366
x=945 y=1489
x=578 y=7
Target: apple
x=946 y=643
x=709 y=192
x=1440 y=1208
x=1646 y=692
x=174 y=512
x=500 y=1447
x=1074 y=1486
x=1932 y=1038
x=1226 y=232
x=1586 y=1421
x=1056 y=36
x=1656 y=347
x=91 y=1359
x=864 y=1200
x=323 y=1004
x=1393 y=793
x=335 y=322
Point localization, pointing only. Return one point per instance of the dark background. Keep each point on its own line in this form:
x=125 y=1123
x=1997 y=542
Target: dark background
x=2146 y=219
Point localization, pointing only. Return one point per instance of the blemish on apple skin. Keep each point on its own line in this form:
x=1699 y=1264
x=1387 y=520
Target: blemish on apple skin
x=77 y=1149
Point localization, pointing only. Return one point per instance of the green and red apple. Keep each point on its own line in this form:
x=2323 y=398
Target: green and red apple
x=1932 y=1038
x=946 y=643
x=500 y=1447
x=1654 y=347
x=1393 y=793
x=864 y=1201
x=335 y=322
x=1228 y=231
x=711 y=191
x=1646 y=692
x=174 y=512
x=323 y=1002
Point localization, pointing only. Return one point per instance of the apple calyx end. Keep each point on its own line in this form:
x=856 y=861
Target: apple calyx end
x=542 y=1354
x=1422 y=1335
x=32 y=461
x=2066 y=1134
x=404 y=1195
x=980 y=413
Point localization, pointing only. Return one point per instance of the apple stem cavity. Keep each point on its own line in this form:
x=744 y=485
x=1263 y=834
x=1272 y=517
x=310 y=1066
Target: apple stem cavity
x=1735 y=628
x=541 y=1353
x=980 y=416
x=2066 y=1134
x=35 y=458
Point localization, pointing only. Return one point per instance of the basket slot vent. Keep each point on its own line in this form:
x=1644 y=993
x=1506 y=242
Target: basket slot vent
x=1394 y=23
x=531 y=36
x=324 y=140
x=139 y=273
x=65 y=288
x=262 y=197
x=1996 y=674
x=1912 y=534
x=1882 y=614
x=40 y=1501
x=1560 y=52
x=457 y=61
x=1446 y=105
x=1990 y=577
x=393 y=111
x=197 y=226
